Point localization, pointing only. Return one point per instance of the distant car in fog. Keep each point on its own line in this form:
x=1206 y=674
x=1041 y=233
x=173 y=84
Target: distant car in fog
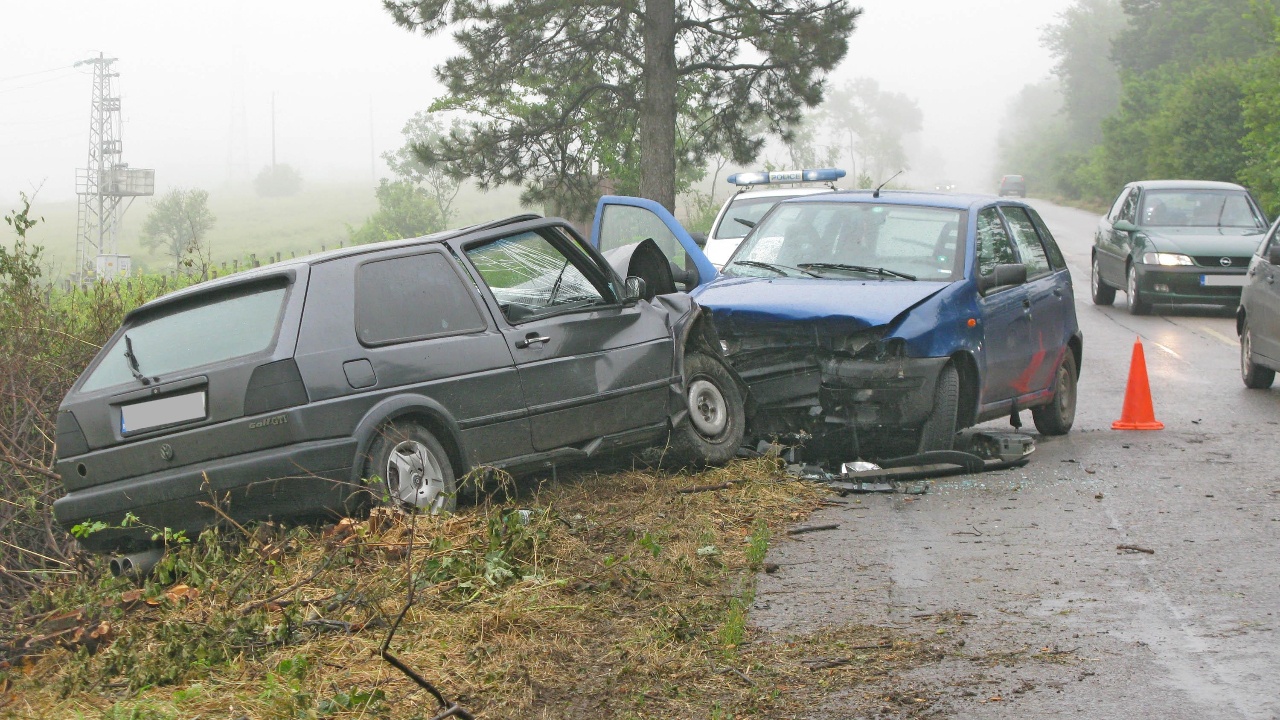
x=1013 y=185
x=1176 y=241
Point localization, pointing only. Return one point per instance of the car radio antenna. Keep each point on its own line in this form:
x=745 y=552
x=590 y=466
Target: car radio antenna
x=876 y=194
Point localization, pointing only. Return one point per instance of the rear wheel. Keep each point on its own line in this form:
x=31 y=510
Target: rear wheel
x=1254 y=376
x=1057 y=417
x=408 y=467
x=1103 y=294
x=1137 y=306
x=939 y=431
x=717 y=420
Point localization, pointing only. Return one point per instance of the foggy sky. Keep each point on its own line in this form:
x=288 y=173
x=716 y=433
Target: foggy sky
x=196 y=83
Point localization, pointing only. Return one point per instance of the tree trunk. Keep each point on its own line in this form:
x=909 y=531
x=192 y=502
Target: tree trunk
x=658 y=107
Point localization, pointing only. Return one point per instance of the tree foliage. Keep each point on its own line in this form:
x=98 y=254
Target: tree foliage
x=422 y=131
x=177 y=225
x=874 y=123
x=404 y=211
x=570 y=99
x=279 y=180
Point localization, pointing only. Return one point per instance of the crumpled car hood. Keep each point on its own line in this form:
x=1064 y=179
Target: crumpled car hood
x=857 y=304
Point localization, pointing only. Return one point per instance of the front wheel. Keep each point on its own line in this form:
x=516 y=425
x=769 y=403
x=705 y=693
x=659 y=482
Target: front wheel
x=1103 y=294
x=717 y=419
x=1254 y=376
x=1057 y=417
x=408 y=467
x=1137 y=306
x=939 y=431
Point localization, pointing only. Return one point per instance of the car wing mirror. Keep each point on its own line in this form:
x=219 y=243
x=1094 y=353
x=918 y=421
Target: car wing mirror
x=1003 y=275
x=1273 y=255
x=1124 y=226
x=633 y=290
x=699 y=239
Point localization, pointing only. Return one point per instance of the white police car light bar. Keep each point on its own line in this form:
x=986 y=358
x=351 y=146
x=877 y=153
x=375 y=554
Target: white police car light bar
x=786 y=176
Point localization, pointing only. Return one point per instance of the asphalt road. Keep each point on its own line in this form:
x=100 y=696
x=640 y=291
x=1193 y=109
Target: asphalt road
x=1188 y=631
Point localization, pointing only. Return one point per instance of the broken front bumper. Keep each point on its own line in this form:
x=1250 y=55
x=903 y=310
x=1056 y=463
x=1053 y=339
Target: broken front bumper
x=889 y=392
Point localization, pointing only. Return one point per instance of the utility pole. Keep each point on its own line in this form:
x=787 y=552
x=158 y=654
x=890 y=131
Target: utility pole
x=104 y=183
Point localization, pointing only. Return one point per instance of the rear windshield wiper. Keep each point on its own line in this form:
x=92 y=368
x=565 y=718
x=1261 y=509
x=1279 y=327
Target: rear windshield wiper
x=858 y=268
x=780 y=269
x=133 y=362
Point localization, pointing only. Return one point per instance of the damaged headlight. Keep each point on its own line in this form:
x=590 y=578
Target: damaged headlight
x=882 y=350
x=863 y=344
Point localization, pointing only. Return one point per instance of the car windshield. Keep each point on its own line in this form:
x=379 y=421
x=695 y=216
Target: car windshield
x=205 y=329
x=854 y=241
x=1200 y=208
x=750 y=209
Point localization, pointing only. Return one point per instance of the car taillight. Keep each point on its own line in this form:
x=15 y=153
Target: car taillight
x=274 y=386
x=71 y=440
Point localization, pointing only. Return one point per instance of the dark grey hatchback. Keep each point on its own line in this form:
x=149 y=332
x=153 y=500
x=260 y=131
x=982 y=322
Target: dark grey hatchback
x=282 y=391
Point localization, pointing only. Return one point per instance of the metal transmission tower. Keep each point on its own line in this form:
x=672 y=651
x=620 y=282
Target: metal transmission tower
x=105 y=182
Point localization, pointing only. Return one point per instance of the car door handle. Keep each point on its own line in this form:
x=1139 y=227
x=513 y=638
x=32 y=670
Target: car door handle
x=1026 y=303
x=531 y=339
x=1057 y=292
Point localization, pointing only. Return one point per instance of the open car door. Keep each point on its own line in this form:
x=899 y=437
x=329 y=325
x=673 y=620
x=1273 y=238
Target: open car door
x=623 y=223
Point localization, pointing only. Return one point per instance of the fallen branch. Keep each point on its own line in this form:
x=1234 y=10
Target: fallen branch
x=812 y=528
x=704 y=488
x=261 y=603
x=1135 y=548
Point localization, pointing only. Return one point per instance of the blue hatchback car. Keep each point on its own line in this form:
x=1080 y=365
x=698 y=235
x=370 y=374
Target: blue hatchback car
x=879 y=324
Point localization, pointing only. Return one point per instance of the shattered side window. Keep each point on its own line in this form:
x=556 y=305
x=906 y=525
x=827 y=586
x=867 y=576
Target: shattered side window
x=530 y=276
x=994 y=246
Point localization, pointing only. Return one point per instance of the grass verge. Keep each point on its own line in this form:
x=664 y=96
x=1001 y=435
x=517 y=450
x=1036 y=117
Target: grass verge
x=596 y=596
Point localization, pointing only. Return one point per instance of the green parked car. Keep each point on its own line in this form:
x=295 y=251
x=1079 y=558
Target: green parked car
x=1176 y=242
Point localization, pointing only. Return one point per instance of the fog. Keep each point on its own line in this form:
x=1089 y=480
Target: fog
x=197 y=83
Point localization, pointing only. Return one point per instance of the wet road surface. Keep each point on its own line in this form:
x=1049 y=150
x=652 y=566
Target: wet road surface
x=1187 y=631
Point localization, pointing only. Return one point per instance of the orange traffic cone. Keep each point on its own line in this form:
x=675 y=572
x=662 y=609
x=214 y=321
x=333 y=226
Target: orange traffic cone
x=1138 y=413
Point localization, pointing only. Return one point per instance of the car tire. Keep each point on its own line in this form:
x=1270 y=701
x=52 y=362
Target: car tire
x=408 y=467
x=717 y=420
x=939 y=431
x=1103 y=294
x=1057 y=417
x=1254 y=376
x=1137 y=306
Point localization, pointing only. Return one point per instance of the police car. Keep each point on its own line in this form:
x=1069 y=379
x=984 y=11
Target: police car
x=745 y=208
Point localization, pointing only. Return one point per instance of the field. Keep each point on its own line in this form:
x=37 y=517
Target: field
x=316 y=218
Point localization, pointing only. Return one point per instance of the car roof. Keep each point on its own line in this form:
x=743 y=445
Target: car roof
x=920 y=198
x=1186 y=185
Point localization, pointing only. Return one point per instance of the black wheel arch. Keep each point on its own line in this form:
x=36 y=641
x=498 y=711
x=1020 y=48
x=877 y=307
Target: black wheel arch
x=424 y=411
x=970 y=381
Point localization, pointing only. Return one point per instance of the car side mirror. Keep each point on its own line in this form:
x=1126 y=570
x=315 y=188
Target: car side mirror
x=1124 y=226
x=1273 y=254
x=633 y=290
x=699 y=239
x=1002 y=275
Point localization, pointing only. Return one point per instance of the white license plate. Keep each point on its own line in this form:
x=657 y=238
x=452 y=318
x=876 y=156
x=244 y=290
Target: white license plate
x=1223 y=280
x=165 y=411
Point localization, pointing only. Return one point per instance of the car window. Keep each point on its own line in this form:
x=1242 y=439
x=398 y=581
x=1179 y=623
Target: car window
x=1027 y=240
x=994 y=245
x=1129 y=211
x=750 y=209
x=624 y=224
x=1264 y=248
x=207 y=328
x=1056 y=260
x=412 y=298
x=1114 y=214
x=530 y=276
x=1200 y=208
x=819 y=237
